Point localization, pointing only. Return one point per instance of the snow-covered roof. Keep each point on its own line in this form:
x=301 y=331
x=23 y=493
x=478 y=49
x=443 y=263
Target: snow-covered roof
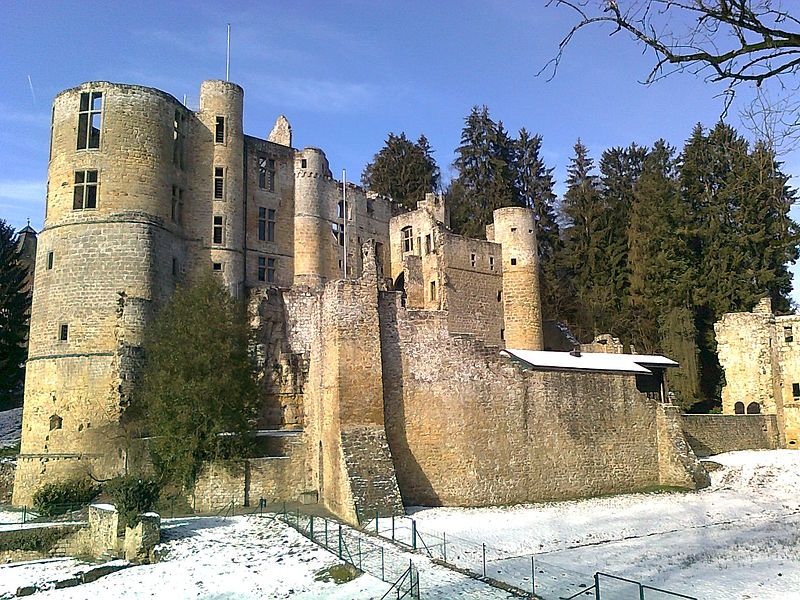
x=594 y=362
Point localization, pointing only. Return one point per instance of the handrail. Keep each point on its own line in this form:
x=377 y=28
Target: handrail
x=583 y=591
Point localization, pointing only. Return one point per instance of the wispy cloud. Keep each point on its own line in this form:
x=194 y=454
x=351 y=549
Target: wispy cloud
x=21 y=200
x=23 y=191
x=313 y=94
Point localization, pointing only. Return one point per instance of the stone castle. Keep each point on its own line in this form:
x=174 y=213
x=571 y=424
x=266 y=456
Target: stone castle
x=399 y=363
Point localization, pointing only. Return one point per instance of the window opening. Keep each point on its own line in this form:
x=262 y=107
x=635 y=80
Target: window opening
x=513 y=261
x=738 y=408
x=174 y=267
x=217 y=266
x=338 y=232
x=270 y=270
x=429 y=243
x=408 y=239
x=473 y=260
x=787 y=334
x=178 y=136
x=262 y=268
x=491 y=263
x=219 y=183
x=266 y=173
x=85 y=191
x=219 y=131
x=63 y=332
x=303 y=163
x=433 y=290
x=796 y=390
x=271 y=225
x=217 y=232
x=500 y=295
x=754 y=408
x=49 y=260
x=262 y=224
x=370 y=208
x=89 y=120
x=56 y=422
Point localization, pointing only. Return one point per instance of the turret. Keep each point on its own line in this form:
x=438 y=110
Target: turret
x=515 y=230
x=312 y=232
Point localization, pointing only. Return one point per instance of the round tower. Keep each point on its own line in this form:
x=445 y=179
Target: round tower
x=219 y=213
x=515 y=231
x=312 y=232
x=106 y=254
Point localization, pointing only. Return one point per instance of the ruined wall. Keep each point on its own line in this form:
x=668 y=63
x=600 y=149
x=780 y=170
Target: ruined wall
x=715 y=434
x=467 y=427
x=787 y=337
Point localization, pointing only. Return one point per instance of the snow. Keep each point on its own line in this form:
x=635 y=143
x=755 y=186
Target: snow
x=738 y=539
x=10 y=427
x=590 y=361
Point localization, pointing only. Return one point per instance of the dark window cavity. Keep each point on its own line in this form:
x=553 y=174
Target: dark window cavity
x=266 y=173
x=219 y=183
x=303 y=163
x=796 y=390
x=177 y=204
x=491 y=263
x=473 y=260
x=56 y=422
x=754 y=408
x=270 y=270
x=262 y=268
x=174 y=267
x=271 y=225
x=407 y=234
x=217 y=266
x=85 y=190
x=513 y=261
x=178 y=136
x=262 y=224
x=217 y=231
x=63 y=332
x=89 y=119
x=219 y=131
x=787 y=334
x=738 y=408
x=49 y=260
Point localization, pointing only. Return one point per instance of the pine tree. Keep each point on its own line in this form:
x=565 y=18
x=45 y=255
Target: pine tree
x=402 y=170
x=198 y=397
x=15 y=305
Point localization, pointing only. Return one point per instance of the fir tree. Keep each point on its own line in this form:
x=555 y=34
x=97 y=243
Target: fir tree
x=403 y=170
x=15 y=304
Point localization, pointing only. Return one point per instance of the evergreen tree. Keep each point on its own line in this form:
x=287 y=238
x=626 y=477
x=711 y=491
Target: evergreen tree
x=485 y=179
x=15 y=305
x=198 y=397
x=403 y=170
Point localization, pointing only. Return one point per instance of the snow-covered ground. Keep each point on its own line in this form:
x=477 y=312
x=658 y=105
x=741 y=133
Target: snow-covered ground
x=10 y=427
x=738 y=539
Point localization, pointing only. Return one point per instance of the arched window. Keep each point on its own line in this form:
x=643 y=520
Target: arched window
x=55 y=422
x=407 y=239
x=754 y=408
x=738 y=408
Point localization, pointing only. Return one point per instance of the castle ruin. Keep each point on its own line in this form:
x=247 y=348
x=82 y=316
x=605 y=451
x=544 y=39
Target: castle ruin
x=399 y=363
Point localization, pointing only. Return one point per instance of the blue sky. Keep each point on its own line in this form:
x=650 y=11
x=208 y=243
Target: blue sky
x=344 y=73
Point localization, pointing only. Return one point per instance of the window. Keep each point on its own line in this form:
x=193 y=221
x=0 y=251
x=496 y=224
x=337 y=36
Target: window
x=473 y=260
x=217 y=230
x=499 y=295
x=178 y=135
x=787 y=334
x=271 y=225
x=266 y=173
x=429 y=243
x=408 y=239
x=177 y=204
x=174 y=267
x=219 y=131
x=219 y=183
x=89 y=120
x=303 y=163
x=796 y=391
x=491 y=263
x=217 y=266
x=49 y=260
x=502 y=334
x=56 y=422
x=738 y=408
x=339 y=210
x=270 y=270
x=754 y=408
x=262 y=268
x=513 y=261
x=85 y=191
x=63 y=332
x=370 y=208
x=513 y=229
x=337 y=229
x=433 y=290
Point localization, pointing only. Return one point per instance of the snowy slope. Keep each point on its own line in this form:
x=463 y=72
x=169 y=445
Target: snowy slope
x=10 y=426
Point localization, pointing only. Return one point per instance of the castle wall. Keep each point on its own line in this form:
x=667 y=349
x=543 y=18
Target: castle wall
x=787 y=337
x=715 y=434
x=468 y=427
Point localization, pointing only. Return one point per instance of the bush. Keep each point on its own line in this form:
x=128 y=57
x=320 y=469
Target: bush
x=57 y=498
x=132 y=496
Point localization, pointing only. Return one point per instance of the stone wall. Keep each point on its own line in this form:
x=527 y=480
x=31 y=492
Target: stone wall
x=7 y=468
x=468 y=427
x=715 y=434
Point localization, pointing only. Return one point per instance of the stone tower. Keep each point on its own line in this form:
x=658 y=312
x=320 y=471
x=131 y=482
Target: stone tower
x=311 y=240
x=515 y=231
x=106 y=254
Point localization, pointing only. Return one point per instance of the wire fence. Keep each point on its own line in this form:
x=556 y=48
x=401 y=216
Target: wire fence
x=527 y=574
x=353 y=548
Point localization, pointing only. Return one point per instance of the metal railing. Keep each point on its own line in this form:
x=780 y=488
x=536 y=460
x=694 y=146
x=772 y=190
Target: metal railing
x=352 y=547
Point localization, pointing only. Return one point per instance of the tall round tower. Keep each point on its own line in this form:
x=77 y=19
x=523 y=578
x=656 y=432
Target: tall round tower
x=218 y=210
x=515 y=231
x=106 y=254
x=311 y=230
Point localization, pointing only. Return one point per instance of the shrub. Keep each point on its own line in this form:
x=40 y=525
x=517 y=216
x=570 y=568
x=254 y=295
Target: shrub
x=132 y=496
x=57 y=498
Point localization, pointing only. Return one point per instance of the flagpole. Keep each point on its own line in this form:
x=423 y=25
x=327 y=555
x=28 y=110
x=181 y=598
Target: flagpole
x=344 y=218
x=228 y=56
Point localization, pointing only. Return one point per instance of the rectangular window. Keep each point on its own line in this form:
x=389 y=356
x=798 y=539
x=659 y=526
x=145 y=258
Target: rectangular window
x=337 y=229
x=407 y=239
x=217 y=266
x=174 y=267
x=262 y=268
x=217 y=232
x=370 y=208
x=219 y=183
x=63 y=332
x=473 y=260
x=49 y=260
x=429 y=243
x=513 y=261
x=270 y=270
x=85 y=190
x=303 y=163
x=89 y=120
x=271 y=225
x=433 y=290
x=266 y=173
x=491 y=263
x=178 y=135
x=262 y=224
x=796 y=390
x=177 y=203
x=219 y=131
x=787 y=334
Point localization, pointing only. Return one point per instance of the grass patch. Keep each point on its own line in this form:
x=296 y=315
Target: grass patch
x=40 y=539
x=339 y=574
